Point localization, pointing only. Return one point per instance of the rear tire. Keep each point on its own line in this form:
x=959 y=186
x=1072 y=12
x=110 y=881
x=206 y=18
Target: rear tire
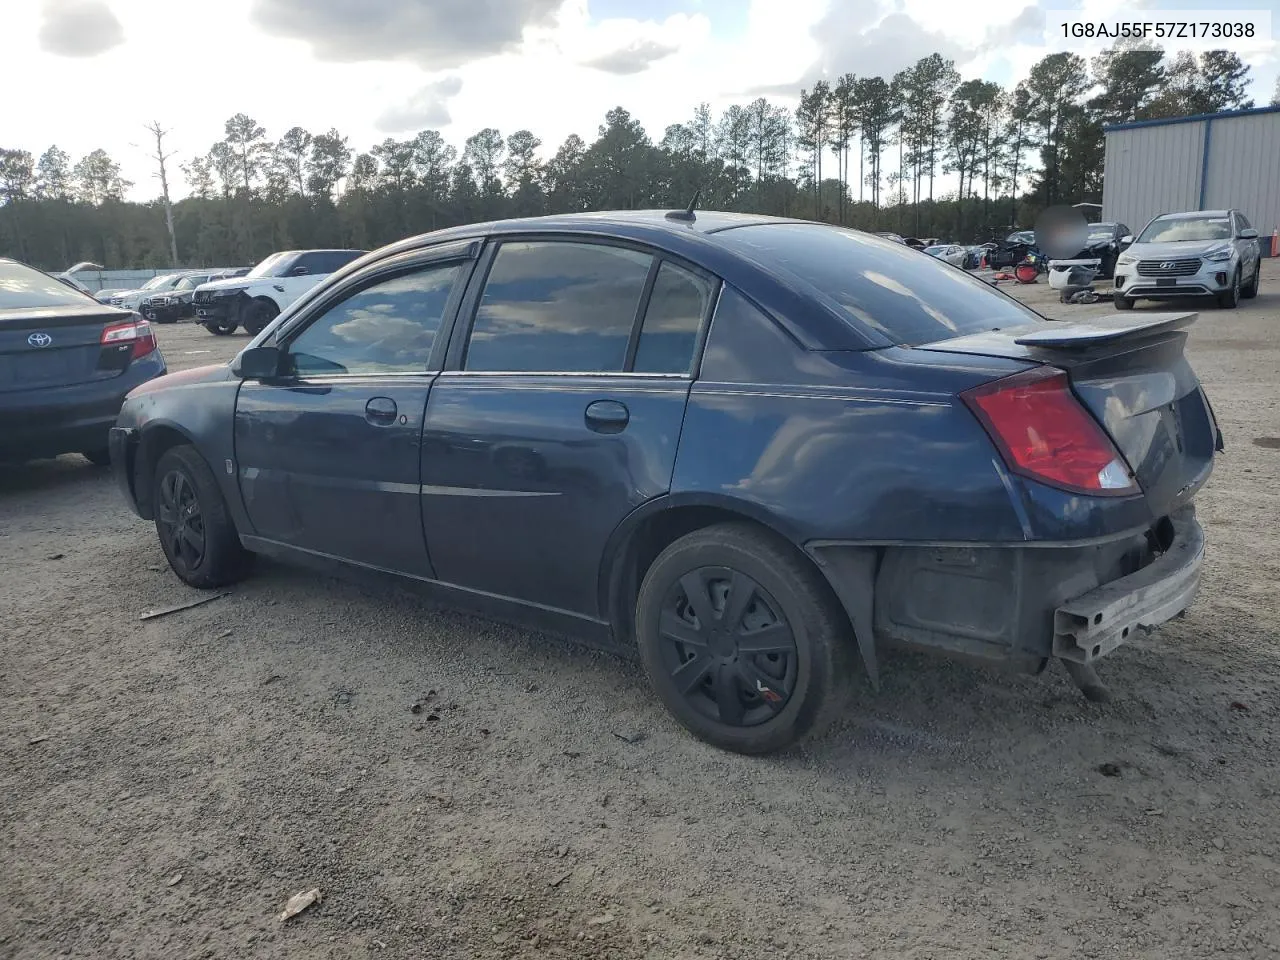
x=776 y=671
x=195 y=528
x=1122 y=302
x=1229 y=299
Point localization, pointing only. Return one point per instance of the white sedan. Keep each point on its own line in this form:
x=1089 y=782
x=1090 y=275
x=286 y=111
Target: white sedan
x=952 y=253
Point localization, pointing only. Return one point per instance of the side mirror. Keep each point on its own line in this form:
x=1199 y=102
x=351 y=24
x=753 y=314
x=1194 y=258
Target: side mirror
x=299 y=272
x=1249 y=234
x=258 y=363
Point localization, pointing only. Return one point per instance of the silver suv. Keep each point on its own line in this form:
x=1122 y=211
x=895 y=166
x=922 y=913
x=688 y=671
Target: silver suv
x=1210 y=253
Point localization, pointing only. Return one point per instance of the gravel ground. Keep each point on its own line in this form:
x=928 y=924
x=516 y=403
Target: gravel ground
x=167 y=785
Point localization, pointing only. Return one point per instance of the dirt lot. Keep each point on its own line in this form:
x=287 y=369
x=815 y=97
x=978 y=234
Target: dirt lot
x=167 y=785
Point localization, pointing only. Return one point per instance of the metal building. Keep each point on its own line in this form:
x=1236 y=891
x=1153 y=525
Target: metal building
x=1207 y=162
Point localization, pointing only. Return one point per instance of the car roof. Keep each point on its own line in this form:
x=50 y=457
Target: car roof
x=795 y=306
x=1193 y=214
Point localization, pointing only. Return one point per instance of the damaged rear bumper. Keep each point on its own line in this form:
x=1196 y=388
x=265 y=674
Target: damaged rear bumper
x=1017 y=604
x=1095 y=623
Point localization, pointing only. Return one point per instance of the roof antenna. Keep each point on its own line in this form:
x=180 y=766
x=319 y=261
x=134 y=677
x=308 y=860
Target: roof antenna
x=687 y=213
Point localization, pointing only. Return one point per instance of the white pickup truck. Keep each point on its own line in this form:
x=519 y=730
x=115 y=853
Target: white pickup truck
x=254 y=300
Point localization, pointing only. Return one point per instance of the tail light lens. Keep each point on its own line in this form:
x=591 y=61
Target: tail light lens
x=137 y=332
x=1043 y=432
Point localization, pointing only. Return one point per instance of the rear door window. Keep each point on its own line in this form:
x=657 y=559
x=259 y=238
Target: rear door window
x=677 y=306
x=880 y=285
x=557 y=307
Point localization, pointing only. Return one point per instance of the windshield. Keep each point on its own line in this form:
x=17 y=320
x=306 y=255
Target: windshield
x=1102 y=231
x=186 y=283
x=155 y=283
x=879 y=284
x=935 y=250
x=1176 y=229
x=269 y=266
x=21 y=286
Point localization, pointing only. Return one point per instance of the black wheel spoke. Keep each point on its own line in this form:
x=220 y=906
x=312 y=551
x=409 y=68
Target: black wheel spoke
x=166 y=511
x=769 y=690
x=193 y=539
x=776 y=639
x=742 y=590
x=698 y=596
x=672 y=627
x=691 y=673
x=728 y=696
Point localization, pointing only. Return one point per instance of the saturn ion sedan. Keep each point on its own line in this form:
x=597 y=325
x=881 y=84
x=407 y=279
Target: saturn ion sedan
x=754 y=452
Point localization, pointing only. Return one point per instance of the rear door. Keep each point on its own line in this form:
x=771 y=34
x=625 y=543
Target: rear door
x=328 y=456
x=561 y=414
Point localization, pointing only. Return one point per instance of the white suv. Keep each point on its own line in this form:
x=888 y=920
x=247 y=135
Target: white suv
x=1210 y=253
x=257 y=298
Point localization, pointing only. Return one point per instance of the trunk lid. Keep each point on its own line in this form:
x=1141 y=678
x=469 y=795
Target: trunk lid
x=58 y=346
x=1131 y=373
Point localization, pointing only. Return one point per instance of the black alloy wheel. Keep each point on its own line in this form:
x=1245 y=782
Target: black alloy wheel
x=180 y=522
x=258 y=314
x=728 y=646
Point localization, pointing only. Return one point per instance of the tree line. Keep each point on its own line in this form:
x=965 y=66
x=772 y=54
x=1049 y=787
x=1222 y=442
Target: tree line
x=862 y=151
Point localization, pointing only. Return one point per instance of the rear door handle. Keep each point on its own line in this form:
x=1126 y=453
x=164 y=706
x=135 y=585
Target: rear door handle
x=607 y=416
x=380 y=410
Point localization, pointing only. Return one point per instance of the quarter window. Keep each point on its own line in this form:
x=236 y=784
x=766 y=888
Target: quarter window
x=558 y=307
x=669 y=336
x=388 y=327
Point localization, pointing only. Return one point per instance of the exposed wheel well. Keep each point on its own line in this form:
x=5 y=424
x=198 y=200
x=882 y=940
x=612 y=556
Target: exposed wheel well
x=154 y=443
x=654 y=535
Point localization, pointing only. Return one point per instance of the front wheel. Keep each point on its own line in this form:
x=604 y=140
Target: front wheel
x=221 y=328
x=1122 y=302
x=742 y=640
x=196 y=532
x=258 y=314
x=1229 y=299
x=1251 y=291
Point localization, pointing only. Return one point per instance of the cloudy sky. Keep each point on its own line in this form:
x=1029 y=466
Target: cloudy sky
x=90 y=73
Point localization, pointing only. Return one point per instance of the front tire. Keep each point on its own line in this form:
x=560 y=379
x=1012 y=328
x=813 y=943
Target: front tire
x=1122 y=302
x=742 y=640
x=1229 y=299
x=193 y=523
x=1251 y=291
x=258 y=314
x=221 y=328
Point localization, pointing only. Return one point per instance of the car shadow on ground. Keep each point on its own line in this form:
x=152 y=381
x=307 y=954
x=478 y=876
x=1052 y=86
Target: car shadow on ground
x=47 y=475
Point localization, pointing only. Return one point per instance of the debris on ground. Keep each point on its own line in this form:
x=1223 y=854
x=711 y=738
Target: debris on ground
x=299 y=902
x=630 y=737
x=174 y=880
x=55 y=556
x=1109 y=769
x=177 y=607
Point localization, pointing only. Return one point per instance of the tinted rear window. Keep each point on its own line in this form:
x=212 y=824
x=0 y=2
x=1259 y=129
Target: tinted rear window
x=21 y=286
x=907 y=296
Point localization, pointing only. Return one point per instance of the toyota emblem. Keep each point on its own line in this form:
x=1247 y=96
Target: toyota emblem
x=39 y=340
x=1167 y=265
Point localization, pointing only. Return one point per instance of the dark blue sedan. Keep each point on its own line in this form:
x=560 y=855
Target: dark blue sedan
x=755 y=451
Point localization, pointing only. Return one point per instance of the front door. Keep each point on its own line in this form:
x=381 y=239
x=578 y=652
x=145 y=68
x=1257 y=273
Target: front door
x=563 y=416
x=328 y=456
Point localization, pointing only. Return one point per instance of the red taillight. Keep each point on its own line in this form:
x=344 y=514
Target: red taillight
x=137 y=332
x=1043 y=432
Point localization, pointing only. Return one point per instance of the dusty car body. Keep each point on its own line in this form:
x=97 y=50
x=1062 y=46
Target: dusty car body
x=750 y=450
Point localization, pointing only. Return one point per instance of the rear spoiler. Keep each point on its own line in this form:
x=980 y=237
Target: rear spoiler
x=1082 y=335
